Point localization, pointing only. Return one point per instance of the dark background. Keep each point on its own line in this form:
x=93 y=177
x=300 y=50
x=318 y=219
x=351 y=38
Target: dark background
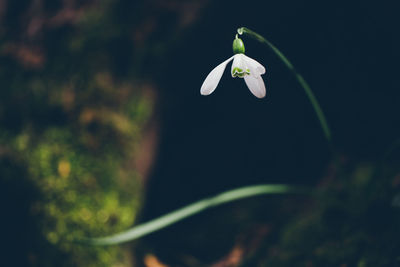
x=348 y=52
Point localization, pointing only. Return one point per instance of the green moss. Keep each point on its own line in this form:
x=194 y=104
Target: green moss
x=83 y=193
x=73 y=126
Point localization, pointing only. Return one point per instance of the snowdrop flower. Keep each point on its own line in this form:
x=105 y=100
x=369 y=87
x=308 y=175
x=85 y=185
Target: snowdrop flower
x=242 y=67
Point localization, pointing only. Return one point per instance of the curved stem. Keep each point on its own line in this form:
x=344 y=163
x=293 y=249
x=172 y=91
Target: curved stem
x=189 y=210
x=300 y=79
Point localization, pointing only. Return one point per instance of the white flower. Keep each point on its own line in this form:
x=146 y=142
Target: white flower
x=242 y=67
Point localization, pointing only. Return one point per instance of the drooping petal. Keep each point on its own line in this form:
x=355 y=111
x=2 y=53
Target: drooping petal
x=256 y=85
x=213 y=78
x=252 y=64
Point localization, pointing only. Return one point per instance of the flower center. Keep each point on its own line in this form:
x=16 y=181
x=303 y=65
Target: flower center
x=238 y=72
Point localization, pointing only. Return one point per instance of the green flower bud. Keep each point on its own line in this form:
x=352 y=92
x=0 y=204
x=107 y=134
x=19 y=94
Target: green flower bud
x=238 y=46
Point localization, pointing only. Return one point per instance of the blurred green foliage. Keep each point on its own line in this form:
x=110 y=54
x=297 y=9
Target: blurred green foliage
x=71 y=116
x=353 y=222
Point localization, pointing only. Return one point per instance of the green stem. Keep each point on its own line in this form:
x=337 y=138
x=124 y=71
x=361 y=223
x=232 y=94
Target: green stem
x=187 y=211
x=300 y=79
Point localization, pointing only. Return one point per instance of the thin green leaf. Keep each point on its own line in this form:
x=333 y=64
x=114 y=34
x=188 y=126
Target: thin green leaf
x=187 y=211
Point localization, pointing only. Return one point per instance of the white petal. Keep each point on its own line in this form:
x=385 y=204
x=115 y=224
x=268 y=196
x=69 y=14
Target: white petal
x=254 y=65
x=213 y=78
x=238 y=63
x=255 y=84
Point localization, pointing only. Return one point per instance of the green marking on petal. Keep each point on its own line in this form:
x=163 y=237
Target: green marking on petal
x=238 y=72
x=237 y=69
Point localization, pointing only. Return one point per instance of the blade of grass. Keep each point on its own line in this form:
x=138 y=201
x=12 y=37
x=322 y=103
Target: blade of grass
x=189 y=210
x=314 y=102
